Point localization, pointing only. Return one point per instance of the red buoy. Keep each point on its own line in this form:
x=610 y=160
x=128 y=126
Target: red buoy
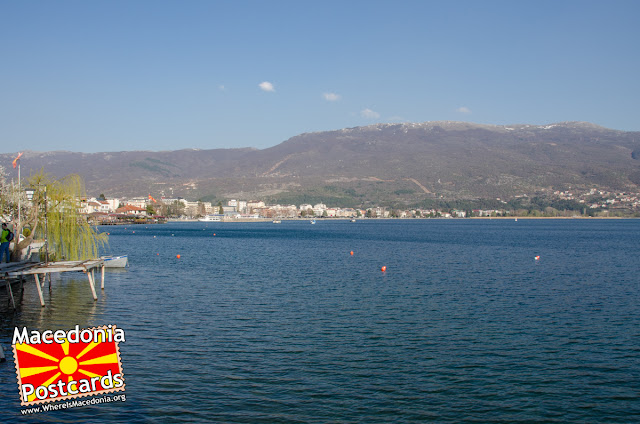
x=178 y=256
x=383 y=269
x=352 y=253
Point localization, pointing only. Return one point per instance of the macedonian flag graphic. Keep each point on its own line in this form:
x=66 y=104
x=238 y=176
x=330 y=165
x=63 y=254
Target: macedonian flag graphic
x=70 y=365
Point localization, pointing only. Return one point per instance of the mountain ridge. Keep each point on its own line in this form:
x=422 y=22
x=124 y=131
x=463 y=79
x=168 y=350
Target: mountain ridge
x=403 y=163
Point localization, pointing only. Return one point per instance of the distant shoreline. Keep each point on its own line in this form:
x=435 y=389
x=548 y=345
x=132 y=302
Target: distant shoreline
x=551 y=217
x=513 y=218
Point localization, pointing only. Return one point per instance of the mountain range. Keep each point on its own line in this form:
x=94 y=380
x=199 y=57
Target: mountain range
x=392 y=164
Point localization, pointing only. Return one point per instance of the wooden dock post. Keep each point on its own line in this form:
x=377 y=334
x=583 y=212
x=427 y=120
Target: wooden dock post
x=91 y=284
x=13 y=302
x=86 y=266
x=39 y=289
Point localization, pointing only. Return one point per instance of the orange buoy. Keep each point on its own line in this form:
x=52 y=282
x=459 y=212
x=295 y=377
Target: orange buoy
x=157 y=254
x=383 y=269
x=214 y=234
x=178 y=256
x=537 y=258
x=351 y=253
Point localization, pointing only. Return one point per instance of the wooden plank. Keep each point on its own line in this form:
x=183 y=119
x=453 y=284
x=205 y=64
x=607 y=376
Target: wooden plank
x=50 y=269
x=12 y=268
x=63 y=266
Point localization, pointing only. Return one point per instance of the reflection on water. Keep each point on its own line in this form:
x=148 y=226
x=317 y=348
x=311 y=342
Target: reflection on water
x=68 y=302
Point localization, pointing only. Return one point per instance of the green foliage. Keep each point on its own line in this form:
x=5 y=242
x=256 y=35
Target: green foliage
x=155 y=166
x=541 y=203
x=174 y=209
x=404 y=191
x=211 y=198
x=68 y=233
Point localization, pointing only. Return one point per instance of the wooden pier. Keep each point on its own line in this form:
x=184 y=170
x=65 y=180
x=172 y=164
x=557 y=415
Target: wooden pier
x=16 y=272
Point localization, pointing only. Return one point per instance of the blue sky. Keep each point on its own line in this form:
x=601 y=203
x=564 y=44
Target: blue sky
x=163 y=75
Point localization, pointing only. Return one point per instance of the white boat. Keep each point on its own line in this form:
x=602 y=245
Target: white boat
x=115 y=261
x=277 y=221
x=313 y=221
x=210 y=218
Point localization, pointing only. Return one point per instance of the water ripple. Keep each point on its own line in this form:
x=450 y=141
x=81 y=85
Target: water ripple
x=265 y=323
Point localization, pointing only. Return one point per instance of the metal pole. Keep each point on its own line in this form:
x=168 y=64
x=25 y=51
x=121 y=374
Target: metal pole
x=46 y=229
x=19 y=195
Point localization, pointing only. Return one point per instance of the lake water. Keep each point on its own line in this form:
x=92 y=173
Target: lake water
x=269 y=323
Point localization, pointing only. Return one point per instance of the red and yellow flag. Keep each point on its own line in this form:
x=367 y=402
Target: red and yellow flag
x=154 y=200
x=15 y=161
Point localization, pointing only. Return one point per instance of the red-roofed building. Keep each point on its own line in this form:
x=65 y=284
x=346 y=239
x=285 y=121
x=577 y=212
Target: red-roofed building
x=132 y=210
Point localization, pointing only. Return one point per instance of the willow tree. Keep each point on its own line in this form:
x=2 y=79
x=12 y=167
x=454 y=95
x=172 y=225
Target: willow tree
x=55 y=209
x=69 y=234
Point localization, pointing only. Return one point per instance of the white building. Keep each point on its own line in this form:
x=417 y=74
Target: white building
x=95 y=205
x=331 y=212
x=255 y=204
x=171 y=201
x=319 y=208
x=242 y=206
x=140 y=202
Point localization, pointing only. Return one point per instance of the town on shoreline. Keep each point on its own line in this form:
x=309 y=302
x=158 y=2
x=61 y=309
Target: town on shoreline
x=150 y=210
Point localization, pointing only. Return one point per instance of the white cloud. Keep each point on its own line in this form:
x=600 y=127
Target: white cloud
x=221 y=87
x=331 y=97
x=266 y=86
x=463 y=109
x=369 y=114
